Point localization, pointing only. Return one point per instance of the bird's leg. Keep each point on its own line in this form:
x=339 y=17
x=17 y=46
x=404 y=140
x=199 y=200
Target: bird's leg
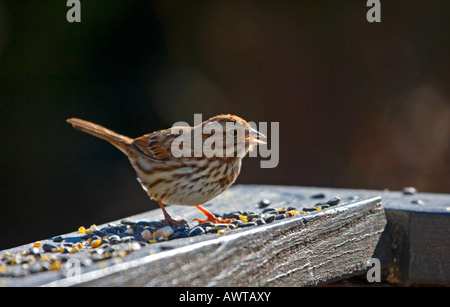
x=211 y=217
x=168 y=219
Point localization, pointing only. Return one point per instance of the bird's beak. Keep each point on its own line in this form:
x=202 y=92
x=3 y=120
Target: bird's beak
x=253 y=137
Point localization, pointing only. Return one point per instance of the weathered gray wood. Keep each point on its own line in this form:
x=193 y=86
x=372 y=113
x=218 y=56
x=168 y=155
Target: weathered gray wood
x=308 y=250
x=420 y=247
x=414 y=247
x=304 y=250
x=429 y=261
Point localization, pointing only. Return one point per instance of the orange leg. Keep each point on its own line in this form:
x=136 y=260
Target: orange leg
x=211 y=217
x=168 y=219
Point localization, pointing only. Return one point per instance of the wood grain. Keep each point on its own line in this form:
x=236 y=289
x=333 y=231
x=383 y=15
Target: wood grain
x=308 y=250
x=409 y=237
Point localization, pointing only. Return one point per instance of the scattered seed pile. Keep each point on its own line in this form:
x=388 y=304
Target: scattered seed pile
x=114 y=241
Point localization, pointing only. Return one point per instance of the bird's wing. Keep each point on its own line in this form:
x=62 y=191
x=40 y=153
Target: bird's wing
x=156 y=145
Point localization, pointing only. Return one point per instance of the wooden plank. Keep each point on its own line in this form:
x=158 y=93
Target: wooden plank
x=414 y=247
x=429 y=245
x=308 y=249
x=420 y=245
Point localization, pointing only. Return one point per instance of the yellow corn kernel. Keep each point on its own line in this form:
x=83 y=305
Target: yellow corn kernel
x=318 y=208
x=221 y=231
x=291 y=213
x=96 y=243
x=37 y=244
x=242 y=217
x=79 y=245
x=44 y=257
x=244 y=220
x=55 y=266
x=82 y=230
x=74 y=250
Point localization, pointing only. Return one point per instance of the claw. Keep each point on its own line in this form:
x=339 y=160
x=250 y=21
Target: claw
x=211 y=217
x=175 y=223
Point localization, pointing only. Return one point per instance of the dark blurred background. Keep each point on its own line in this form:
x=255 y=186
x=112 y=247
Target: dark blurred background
x=360 y=105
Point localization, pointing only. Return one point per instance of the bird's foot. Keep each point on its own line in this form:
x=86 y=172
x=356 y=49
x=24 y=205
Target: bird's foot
x=171 y=222
x=211 y=217
x=168 y=220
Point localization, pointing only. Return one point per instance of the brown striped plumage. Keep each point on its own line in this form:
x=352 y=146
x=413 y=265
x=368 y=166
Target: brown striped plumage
x=189 y=181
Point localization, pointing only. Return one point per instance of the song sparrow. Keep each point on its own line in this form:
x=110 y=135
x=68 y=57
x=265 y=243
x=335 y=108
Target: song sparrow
x=189 y=176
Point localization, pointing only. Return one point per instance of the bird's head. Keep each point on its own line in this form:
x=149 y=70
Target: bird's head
x=228 y=135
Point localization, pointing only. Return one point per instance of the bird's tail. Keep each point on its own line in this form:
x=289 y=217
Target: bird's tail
x=120 y=141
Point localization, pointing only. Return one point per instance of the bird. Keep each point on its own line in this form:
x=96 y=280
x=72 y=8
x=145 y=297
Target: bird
x=185 y=165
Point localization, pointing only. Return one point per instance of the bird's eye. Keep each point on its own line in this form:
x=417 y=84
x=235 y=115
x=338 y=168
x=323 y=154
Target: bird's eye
x=233 y=132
